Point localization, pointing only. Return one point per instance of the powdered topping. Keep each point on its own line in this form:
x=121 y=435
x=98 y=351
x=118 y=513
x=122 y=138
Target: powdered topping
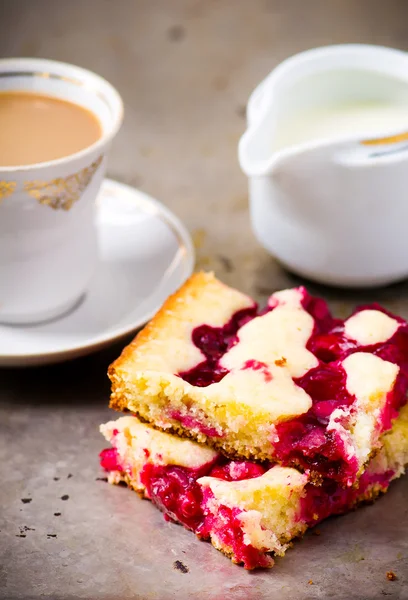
x=369 y=327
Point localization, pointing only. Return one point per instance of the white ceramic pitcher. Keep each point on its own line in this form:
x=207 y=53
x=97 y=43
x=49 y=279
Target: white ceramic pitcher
x=334 y=210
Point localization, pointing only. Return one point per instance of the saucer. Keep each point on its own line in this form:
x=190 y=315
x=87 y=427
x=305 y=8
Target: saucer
x=145 y=255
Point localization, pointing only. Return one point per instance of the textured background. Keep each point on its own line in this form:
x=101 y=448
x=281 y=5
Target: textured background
x=185 y=70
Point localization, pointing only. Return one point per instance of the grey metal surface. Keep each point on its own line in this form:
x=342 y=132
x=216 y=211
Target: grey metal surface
x=185 y=69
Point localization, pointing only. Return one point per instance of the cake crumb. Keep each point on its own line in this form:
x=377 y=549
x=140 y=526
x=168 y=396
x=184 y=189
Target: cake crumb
x=310 y=582
x=180 y=566
x=65 y=497
x=280 y=362
x=51 y=535
x=26 y=500
x=391 y=576
x=57 y=514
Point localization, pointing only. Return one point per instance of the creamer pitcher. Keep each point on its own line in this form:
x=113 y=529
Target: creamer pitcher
x=326 y=153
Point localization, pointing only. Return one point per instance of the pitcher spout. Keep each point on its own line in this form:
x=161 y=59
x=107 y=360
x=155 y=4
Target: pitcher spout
x=255 y=154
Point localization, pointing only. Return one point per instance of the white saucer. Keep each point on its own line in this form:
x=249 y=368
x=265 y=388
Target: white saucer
x=146 y=254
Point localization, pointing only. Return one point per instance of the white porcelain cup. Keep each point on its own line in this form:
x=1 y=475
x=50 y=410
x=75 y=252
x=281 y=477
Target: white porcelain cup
x=48 y=238
x=335 y=209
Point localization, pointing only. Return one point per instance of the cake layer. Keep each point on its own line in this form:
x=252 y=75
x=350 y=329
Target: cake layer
x=287 y=384
x=247 y=510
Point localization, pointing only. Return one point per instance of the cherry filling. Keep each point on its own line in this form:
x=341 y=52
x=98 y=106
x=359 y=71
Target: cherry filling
x=332 y=346
x=176 y=492
x=238 y=470
x=214 y=343
x=331 y=499
x=226 y=526
x=109 y=460
x=304 y=441
x=193 y=423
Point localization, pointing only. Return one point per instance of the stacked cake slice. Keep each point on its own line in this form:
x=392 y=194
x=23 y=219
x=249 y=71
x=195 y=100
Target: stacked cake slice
x=291 y=415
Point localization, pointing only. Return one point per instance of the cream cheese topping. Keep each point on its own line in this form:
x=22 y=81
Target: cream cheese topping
x=369 y=327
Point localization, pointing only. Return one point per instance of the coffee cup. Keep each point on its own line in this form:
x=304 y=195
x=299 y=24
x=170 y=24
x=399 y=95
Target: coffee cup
x=48 y=236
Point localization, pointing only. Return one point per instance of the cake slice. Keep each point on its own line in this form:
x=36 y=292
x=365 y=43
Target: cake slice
x=247 y=510
x=287 y=384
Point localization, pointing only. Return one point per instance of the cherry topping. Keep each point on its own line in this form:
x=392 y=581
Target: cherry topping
x=236 y=471
x=109 y=460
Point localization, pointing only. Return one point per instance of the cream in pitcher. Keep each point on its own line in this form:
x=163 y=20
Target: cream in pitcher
x=326 y=153
x=339 y=119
